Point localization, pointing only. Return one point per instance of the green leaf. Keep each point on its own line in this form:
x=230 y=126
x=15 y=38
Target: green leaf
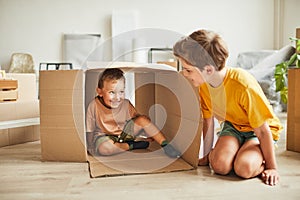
x=280 y=76
x=298 y=46
x=284 y=98
x=284 y=95
x=298 y=61
x=280 y=69
x=292 y=59
x=293 y=39
x=279 y=84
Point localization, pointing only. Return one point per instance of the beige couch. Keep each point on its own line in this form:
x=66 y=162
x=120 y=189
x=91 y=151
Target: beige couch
x=19 y=120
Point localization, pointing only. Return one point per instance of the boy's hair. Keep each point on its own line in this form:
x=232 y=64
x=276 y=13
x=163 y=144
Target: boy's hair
x=202 y=48
x=110 y=74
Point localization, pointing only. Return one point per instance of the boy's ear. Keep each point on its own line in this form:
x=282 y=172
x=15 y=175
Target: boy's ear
x=209 y=69
x=99 y=92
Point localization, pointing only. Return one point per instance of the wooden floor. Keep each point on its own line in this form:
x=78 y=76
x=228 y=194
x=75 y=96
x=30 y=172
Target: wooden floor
x=24 y=176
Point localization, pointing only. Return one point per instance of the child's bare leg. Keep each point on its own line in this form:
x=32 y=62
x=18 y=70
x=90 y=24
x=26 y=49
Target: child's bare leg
x=249 y=160
x=143 y=122
x=89 y=141
x=221 y=158
x=110 y=148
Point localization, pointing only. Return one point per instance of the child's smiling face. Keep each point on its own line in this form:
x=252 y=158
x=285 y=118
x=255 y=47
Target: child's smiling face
x=113 y=92
x=192 y=73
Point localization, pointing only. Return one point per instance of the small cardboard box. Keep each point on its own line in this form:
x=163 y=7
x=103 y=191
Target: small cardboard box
x=8 y=84
x=158 y=91
x=293 y=111
x=8 y=90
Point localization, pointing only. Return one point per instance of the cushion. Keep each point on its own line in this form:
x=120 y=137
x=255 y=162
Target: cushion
x=264 y=73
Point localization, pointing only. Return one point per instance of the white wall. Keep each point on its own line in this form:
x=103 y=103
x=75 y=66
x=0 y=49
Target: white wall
x=291 y=19
x=37 y=26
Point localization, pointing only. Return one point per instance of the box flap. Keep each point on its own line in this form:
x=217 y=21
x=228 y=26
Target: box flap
x=126 y=66
x=62 y=115
x=135 y=162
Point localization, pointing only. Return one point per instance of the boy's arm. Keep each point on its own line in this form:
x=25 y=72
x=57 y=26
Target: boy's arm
x=90 y=127
x=90 y=144
x=208 y=138
x=264 y=135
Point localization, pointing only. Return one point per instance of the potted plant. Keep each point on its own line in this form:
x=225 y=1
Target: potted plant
x=281 y=71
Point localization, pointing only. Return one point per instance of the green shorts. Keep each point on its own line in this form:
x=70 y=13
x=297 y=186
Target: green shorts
x=126 y=135
x=227 y=129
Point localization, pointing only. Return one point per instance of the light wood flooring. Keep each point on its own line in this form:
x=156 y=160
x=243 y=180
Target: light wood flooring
x=24 y=176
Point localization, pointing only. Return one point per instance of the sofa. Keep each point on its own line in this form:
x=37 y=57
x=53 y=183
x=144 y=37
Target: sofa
x=19 y=119
x=261 y=64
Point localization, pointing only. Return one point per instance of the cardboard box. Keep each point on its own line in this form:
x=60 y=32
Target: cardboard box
x=171 y=63
x=8 y=95
x=158 y=91
x=293 y=112
x=8 y=84
x=8 y=90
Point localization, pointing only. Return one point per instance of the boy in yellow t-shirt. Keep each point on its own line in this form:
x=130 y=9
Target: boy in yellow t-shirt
x=249 y=126
x=113 y=123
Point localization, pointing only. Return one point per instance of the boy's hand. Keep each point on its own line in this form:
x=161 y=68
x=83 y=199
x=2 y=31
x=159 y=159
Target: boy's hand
x=91 y=151
x=270 y=177
x=203 y=161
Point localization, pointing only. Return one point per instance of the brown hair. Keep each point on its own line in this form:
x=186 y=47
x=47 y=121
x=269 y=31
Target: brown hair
x=110 y=74
x=202 y=48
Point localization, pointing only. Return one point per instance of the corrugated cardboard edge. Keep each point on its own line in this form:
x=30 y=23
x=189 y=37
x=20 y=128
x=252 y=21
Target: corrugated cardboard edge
x=58 y=122
x=99 y=169
x=189 y=160
x=293 y=112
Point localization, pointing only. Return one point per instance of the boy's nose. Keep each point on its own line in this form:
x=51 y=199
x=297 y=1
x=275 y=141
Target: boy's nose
x=117 y=96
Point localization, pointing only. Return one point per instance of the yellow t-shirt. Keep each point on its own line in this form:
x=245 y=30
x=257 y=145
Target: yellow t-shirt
x=239 y=100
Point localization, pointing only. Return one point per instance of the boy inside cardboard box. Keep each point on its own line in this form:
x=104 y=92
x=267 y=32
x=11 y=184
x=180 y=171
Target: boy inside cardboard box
x=157 y=91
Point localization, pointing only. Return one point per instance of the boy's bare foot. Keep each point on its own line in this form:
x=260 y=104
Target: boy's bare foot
x=203 y=161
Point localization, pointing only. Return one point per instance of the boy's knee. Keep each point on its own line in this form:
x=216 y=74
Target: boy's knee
x=221 y=166
x=106 y=149
x=142 y=120
x=244 y=169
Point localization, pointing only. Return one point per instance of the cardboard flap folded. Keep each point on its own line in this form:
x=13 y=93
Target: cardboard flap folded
x=102 y=167
x=62 y=115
